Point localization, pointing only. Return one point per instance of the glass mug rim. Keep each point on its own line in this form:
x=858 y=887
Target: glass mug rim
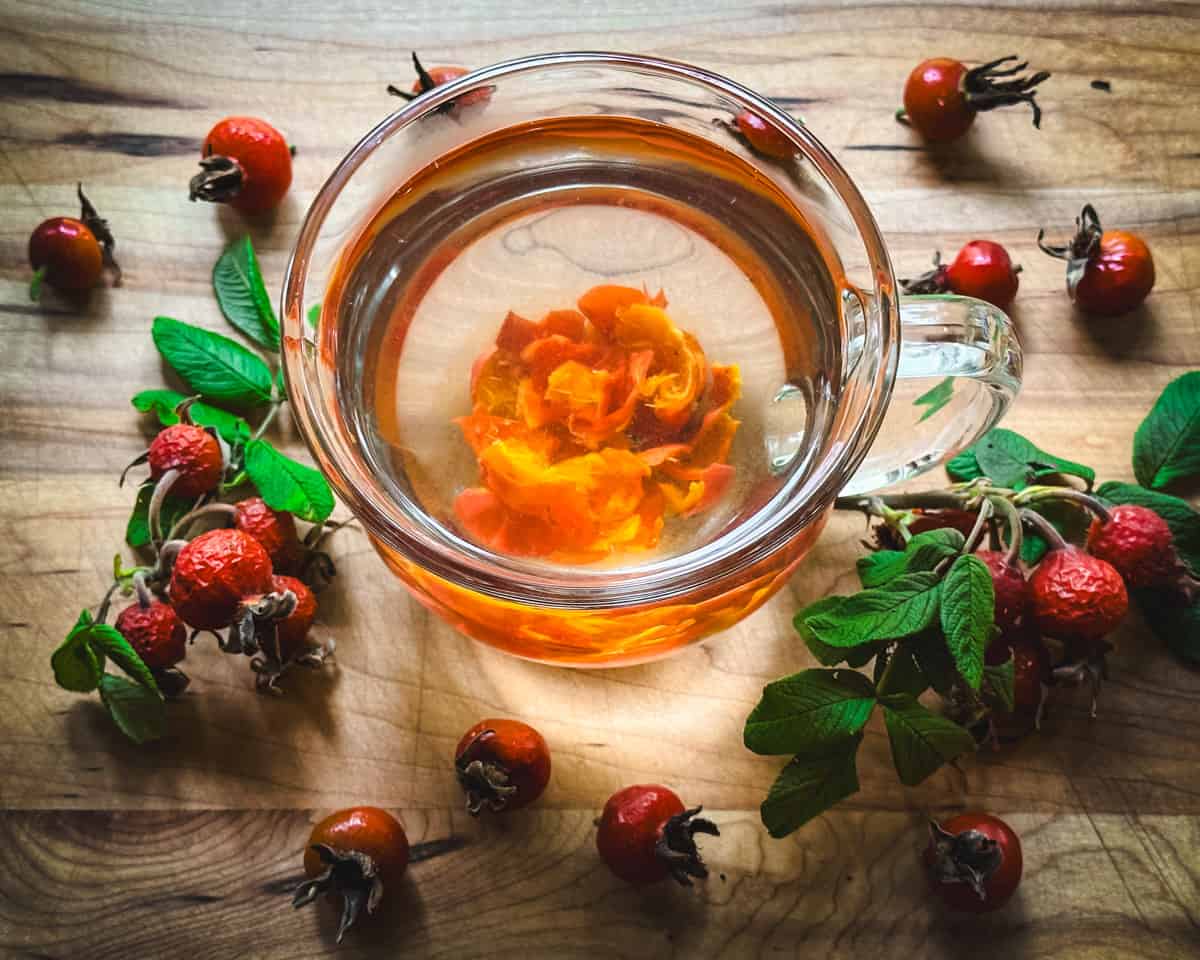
x=512 y=578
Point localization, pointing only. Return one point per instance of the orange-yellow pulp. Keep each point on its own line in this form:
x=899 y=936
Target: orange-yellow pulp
x=592 y=426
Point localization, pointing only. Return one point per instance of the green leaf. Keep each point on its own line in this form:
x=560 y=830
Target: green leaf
x=808 y=710
x=287 y=485
x=936 y=398
x=921 y=740
x=903 y=674
x=214 y=366
x=314 y=315
x=1166 y=447
x=242 y=296
x=964 y=467
x=75 y=666
x=1180 y=516
x=826 y=655
x=1173 y=621
x=997 y=686
x=968 y=611
x=810 y=785
x=923 y=552
x=929 y=650
x=900 y=608
x=1010 y=460
x=108 y=640
x=137 y=530
x=137 y=711
x=163 y=403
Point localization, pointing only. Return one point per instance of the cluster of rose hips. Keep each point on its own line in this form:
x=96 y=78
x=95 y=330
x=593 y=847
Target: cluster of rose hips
x=644 y=834
x=247 y=579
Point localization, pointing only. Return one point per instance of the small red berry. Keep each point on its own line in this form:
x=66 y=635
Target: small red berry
x=1009 y=585
x=70 y=254
x=274 y=529
x=155 y=632
x=435 y=77
x=246 y=163
x=1075 y=596
x=214 y=573
x=67 y=253
x=974 y=862
x=941 y=96
x=1109 y=272
x=1137 y=542
x=501 y=764
x=982 y=269
x=763 y=136
x=191 y=450
x=645 y=835
x=291 y=633
x=359 y=853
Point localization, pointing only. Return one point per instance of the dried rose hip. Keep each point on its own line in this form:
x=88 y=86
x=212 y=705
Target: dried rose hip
x=360 y=854
x=155 y=632
x=646 y=835
x=942 y=96
x=193 y=453
x=1109 y=272
x=501 y=764
x=214 y=574
x=1138 y=543
x=274 y=529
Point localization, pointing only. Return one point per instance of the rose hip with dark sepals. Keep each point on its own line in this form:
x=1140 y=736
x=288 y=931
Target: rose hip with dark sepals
x=193 y=452
x=214 y=574
x=244 y=162
x=1109 y=272
x=974 y=862
x=501 y=764
x=360 y=854
x=70 y=253
x=942 y=96
x=435 y=77
x=290 y=633
x=645 y=835
x=982 y=269
x=155 y=632
x=274 y=529
x=1137 y=542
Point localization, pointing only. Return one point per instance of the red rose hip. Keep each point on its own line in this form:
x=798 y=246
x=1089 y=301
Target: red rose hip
x=974 y=862
x=1138 y=543
x=942 y=96
x=1109 y=272
x=155 y=632
x=502 y=765
x=193 y=452
x=244 y=162
x=645 y=835
x=274 y=529
x=214 y=573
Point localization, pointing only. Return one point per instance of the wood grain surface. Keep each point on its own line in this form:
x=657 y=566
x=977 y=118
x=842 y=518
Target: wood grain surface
x=187 y=847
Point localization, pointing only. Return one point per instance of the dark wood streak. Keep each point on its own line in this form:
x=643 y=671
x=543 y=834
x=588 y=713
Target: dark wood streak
x=132 y=144
x=435 y=848
x=39 y=86
x=884 y=147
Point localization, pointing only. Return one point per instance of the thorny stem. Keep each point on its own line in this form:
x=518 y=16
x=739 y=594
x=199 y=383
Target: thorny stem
x=1013 y=519
x=191 y=516
x=985 y=513
x=1040 y=494
x=1044 y=527
x=267 y=420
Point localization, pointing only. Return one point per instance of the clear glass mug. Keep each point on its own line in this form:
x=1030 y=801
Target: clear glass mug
x=917 y=379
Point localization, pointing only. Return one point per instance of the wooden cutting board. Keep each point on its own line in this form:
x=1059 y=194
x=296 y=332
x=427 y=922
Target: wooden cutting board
x=188 y=847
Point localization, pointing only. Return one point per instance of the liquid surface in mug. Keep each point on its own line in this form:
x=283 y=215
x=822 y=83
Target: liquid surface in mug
x=588 y=340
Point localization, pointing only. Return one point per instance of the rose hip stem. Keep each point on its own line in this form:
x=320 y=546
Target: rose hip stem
x=1043 y=494
x=1045 y=528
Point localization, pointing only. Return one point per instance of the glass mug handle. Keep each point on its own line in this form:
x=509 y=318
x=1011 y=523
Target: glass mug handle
x=959 y=371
